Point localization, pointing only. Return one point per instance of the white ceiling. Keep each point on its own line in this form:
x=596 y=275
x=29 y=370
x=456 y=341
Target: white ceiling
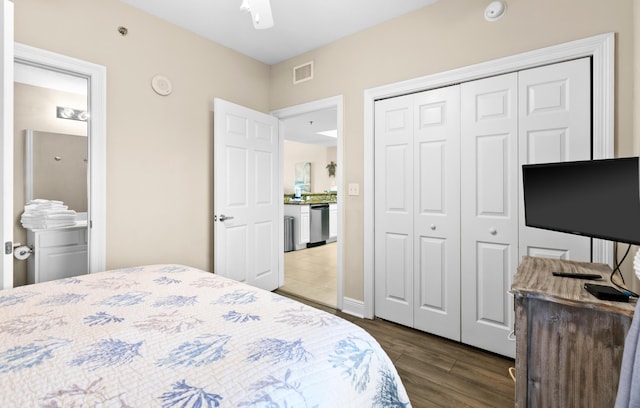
x=299 y=25
x=304 y=128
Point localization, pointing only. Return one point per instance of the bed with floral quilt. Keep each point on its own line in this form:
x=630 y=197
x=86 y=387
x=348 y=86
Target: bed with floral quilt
x=175 y=336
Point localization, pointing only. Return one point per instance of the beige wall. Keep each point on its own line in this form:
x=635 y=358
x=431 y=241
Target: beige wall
x=318 y=156
x=159 y=149
x=446 y=35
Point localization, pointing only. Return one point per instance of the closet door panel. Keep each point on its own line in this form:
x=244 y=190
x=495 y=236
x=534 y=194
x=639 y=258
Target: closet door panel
x=437 y=215
x=555 y=126
x=493 y=277
x=489 y=210
x=394 y=209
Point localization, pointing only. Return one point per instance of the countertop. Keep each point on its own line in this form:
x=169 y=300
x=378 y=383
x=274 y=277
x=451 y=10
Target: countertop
x=309 y=202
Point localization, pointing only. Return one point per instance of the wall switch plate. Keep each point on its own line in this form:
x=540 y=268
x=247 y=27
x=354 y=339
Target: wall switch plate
x=354 y=189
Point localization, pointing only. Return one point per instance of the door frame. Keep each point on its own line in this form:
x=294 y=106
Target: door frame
x=284 y=113
x=6 y=145
x=96 y=76
x=601 y=50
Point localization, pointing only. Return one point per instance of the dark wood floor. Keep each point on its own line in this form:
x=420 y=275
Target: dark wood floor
x=437 y=372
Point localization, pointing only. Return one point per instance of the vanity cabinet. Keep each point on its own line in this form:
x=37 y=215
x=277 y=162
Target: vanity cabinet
x=57 y=253
x=301 y=224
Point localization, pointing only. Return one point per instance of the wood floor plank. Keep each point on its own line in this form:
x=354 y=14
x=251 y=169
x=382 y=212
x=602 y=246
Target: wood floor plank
x=437 y=372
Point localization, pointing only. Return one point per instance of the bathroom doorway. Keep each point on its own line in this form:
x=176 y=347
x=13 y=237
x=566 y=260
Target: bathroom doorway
x=59 y=98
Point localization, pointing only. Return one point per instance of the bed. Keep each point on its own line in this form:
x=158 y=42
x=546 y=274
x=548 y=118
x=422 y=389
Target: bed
x=175 y=336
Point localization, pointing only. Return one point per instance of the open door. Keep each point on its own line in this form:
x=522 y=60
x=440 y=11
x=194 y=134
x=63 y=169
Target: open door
x=246 y=195
x=6 y=144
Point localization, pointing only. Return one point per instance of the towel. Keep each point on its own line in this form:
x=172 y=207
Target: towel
x=42 y=214
x=629 y=385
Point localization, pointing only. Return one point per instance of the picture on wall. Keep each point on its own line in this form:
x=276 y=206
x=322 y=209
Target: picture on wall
x=302 y=178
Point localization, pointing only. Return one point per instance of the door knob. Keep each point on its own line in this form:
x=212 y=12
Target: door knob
x=223 y=218
x=493 y=231
x=433 y=226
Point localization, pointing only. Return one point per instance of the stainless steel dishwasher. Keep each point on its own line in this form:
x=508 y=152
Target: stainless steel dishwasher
x=319 y=225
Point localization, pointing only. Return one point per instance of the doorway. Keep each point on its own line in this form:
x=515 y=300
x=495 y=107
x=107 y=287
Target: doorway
x=50 y=163
x=313 y=129
x=93 y=78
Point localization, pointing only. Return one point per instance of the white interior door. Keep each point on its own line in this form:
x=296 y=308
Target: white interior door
x=489 y=210
x=437 y=211
x=6 y=145
x=394 y=205
x=246 y=196
x=555 y=126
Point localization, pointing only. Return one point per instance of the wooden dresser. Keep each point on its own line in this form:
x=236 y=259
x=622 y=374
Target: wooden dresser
x=569 y=344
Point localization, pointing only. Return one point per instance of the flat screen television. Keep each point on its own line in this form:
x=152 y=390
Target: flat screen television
x=594 y=198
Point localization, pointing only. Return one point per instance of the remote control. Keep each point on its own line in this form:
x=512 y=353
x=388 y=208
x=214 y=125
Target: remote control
x=592 y=276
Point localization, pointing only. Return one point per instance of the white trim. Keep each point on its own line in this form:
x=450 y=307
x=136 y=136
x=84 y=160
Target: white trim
x=284 y=113
x=353 y=307
x=599 y=47
x=28 y=165
x=96 y=76
x=6 y=147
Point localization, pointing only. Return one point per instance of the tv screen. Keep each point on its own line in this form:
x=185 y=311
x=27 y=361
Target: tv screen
x=595 y=198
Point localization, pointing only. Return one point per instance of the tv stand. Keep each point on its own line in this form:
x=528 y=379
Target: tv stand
x=569 y=344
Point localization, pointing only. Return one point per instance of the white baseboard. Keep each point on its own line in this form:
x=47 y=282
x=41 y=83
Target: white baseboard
x=353 y=307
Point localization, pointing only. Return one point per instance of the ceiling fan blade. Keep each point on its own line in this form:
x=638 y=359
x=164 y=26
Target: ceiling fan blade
x=261 y=14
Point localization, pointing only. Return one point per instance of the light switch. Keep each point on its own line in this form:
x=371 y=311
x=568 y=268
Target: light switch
x=354 y=189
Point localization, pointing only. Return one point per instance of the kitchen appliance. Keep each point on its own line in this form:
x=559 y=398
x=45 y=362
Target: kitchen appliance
x=319 y=225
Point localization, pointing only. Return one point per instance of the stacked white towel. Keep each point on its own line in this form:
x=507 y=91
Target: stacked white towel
x=42 y=214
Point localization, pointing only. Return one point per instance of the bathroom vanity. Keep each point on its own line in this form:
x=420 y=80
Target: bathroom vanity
x=57 y=253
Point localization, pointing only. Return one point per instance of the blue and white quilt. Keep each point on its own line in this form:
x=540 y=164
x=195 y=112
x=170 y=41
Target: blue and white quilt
x=174 y=336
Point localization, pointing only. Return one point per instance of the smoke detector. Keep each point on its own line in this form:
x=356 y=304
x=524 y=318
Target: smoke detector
x=495 y=10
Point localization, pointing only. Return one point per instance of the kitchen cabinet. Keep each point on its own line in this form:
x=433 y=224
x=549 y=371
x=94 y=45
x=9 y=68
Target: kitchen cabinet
x=301 y=224
x=333 y=222
x=57 y=253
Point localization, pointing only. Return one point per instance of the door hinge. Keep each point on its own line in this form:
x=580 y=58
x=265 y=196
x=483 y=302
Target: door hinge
x=8 y=248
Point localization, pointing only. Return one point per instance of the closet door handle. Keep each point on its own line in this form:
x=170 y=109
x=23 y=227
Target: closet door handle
x=493 y=231
x=433 y=227
x=223 y=218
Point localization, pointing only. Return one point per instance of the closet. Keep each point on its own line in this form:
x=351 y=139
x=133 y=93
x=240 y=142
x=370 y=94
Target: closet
x=449 y=223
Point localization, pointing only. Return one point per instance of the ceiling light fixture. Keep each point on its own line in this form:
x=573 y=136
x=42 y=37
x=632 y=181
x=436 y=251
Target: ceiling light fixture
x=260 y=13
x=330 y=133
x=72 y=114
x=495 y=10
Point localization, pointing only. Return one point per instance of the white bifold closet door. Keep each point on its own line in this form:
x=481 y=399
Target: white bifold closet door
x=533 y=116
x=449 y=214
x=417 y=242
x=489 y=257
x=554 y=126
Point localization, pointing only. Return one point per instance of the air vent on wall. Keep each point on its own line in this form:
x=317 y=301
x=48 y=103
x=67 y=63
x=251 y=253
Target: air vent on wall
x=303 y=72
